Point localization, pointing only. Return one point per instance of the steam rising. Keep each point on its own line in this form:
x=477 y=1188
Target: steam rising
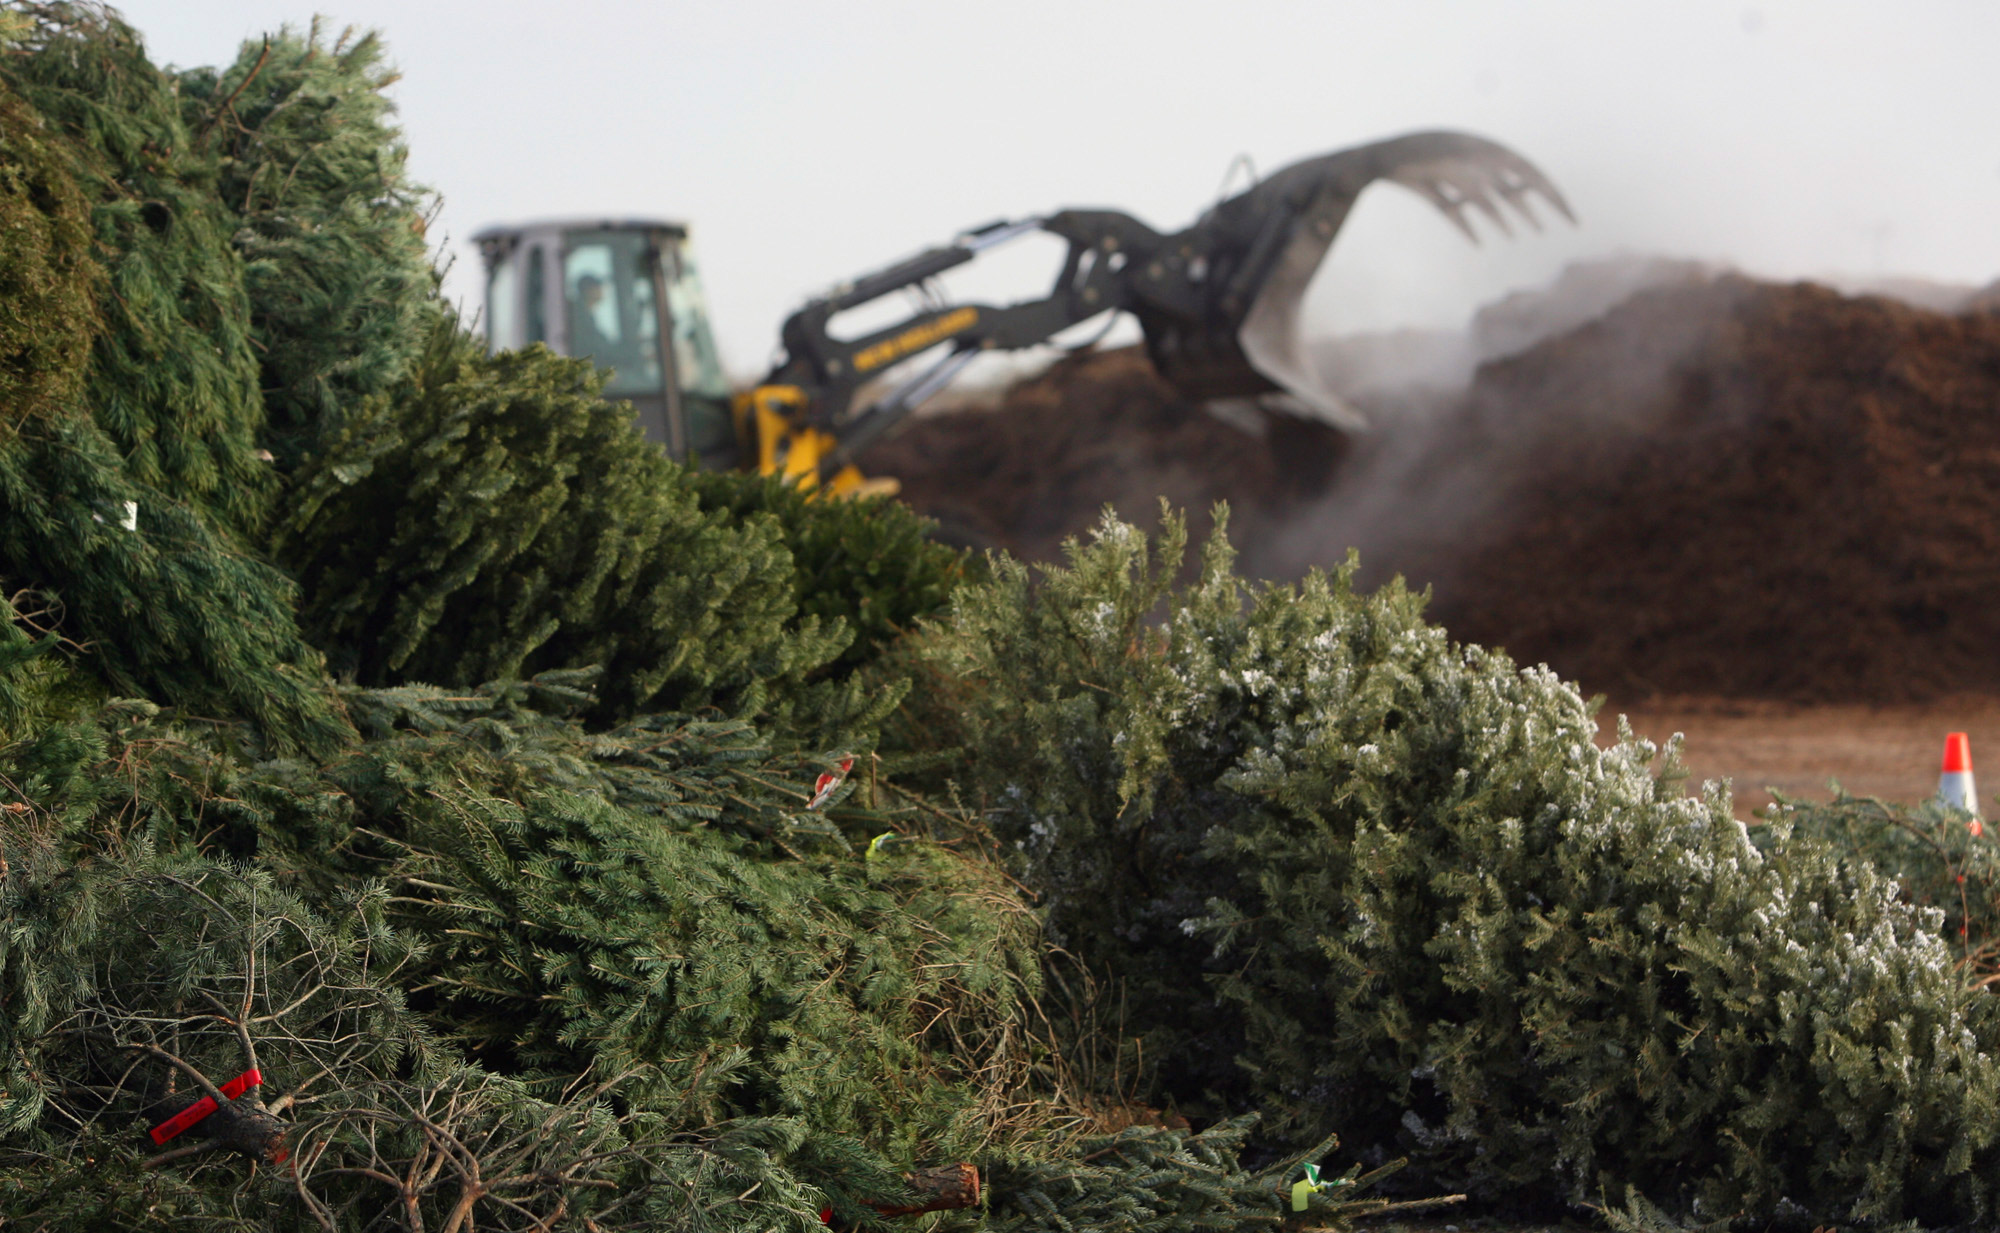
x=1426 y=487
x=1418 y=491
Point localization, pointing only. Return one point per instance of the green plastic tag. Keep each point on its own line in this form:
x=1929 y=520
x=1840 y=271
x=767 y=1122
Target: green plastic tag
x=1304 y=1190
x=875 y=844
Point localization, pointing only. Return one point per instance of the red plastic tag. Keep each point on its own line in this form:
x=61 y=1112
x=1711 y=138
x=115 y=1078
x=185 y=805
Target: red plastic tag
x=184 y=1119
x=823 y=786
x=200 y=1109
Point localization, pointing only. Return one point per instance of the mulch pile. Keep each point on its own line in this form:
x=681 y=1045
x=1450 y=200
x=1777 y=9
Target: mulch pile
x=1721 y=488
x=1743 y=490
x=1097 y=429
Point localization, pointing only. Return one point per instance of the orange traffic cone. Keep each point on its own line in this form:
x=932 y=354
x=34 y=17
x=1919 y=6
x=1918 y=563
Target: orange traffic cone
x=1955 y=783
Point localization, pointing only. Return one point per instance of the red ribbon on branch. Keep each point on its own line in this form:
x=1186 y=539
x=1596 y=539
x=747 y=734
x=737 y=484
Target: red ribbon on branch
x=200 y=1109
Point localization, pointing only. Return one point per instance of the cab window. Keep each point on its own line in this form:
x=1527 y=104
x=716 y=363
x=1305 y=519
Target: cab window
x=613 y=319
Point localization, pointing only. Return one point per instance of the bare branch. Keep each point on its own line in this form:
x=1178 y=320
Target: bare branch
x=237 y=1022
x=154 y=1162
x=214 y=1092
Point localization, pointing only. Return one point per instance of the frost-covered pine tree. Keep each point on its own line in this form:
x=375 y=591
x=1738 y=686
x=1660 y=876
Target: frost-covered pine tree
x=1370 y=881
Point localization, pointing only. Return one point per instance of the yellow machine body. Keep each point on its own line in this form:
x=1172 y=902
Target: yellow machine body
x=770 y=428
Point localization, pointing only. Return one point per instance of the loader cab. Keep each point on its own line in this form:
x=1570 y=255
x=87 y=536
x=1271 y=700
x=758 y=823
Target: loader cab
x=611 y=291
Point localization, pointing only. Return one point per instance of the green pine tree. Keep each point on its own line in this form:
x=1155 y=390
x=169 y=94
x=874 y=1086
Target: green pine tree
x=132 y=978
x=1150 y=1179
x=172 y=379
x=1371 y=882
x=171 y=608
x=496 y=518
x=869 y=563
x=649 y=915
x=329 y=228
x=1935 y=855
x=48 y=278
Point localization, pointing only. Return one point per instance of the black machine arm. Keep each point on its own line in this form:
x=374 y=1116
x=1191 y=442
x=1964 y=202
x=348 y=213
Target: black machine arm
x=1218 y=302
x=830 y=371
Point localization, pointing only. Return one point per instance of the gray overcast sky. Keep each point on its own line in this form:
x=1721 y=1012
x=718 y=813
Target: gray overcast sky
x=809 y=142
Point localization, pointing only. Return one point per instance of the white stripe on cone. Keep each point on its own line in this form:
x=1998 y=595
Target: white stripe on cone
x=1955 y=786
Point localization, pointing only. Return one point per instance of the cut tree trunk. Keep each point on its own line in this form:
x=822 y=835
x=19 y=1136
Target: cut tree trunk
x=950 y=1188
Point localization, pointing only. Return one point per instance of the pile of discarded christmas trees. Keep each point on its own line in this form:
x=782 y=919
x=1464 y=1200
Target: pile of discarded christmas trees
x=425 y=806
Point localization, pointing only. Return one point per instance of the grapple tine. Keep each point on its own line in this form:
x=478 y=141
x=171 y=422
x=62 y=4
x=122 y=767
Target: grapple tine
x=1451 y=207
x=1516 y=195
x=1480 y=194
x=1451 y=190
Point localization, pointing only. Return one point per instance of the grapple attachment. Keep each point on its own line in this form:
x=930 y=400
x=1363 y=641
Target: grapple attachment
x=1220 y=301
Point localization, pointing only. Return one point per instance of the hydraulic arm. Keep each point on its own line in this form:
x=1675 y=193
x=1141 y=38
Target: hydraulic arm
x=1218 y=302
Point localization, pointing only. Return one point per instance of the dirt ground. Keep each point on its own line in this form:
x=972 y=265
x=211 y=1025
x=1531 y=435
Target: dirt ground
x=1761 y=490
x=1892 y=752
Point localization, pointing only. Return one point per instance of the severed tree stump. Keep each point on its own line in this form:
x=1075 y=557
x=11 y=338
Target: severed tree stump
x=247 y=1128
x=950 y=1188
